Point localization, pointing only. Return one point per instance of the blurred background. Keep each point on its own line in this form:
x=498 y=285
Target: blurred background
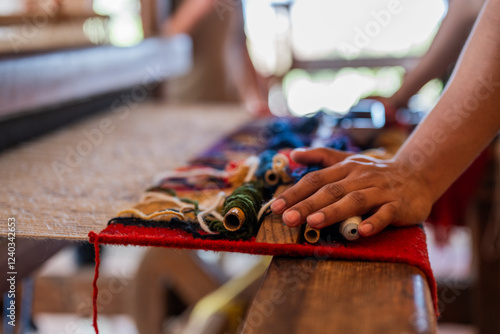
x=305 y=56
x=321 y=54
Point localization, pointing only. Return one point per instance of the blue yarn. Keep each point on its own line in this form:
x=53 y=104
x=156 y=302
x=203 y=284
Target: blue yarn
x=297 y=125
x=285 y=140
x=341 y=143
x=307 y=125
x=265 y=164
x=280 y=125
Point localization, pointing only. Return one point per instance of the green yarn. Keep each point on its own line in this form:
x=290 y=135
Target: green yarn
x=249 y=197
x=190 y=201
x=217 y=227
x=173 y=193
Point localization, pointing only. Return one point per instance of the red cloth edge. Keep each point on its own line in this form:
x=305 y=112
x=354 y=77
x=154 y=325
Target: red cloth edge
x=415 y=255
x=94 y=286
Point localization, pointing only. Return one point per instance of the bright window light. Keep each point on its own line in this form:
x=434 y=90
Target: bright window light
x=125 y=25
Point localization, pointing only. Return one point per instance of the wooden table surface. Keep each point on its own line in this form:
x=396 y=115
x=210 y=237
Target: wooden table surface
x=332 y=296
x=63 y=185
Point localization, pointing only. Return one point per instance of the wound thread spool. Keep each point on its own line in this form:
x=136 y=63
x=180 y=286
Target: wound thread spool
x=241 y=208
x=234 y=219
x=311 y=234
x=271 y=178
x=349 y=228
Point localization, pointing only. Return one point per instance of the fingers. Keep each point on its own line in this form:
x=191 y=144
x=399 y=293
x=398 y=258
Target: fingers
x=326 y=196
x=318 y=156
x=307 y=186
x=310 y=183
x=355 y=203
x=384 y=216
x=352 y=185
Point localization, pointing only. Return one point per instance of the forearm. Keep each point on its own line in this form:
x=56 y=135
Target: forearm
x=241 y=69
x=443 y=51
x=242 y=72
x=187 y=16
x=467 y=116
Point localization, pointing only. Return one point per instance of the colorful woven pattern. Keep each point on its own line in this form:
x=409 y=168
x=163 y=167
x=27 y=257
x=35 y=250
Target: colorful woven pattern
x=182 y=209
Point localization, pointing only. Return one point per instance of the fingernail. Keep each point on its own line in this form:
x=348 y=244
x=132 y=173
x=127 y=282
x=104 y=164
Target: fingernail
x=278 y=206
x=366 y=229
x=292 y=217
x=316 y=218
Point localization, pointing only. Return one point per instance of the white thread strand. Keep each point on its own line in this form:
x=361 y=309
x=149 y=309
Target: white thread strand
x=264 y=208
x=253 y=163
x=211 y=210
x=152 y=196
x=153 y=215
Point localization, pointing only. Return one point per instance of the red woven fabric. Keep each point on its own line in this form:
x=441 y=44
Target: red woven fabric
x=401 y=245
x=94 y=285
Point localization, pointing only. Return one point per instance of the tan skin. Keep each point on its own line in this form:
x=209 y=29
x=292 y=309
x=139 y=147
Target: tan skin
x=402 y=190
x=442 y=53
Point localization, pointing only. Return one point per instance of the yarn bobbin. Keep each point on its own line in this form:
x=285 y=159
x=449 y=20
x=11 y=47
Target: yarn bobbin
x=234 y=219
x=349 y=228
x=311 y=234
x=271 y=178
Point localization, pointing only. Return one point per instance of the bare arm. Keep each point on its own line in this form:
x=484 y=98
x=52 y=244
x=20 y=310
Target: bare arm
x=241 y=69
x=468 y=113
x=443 y=52
x=237 y=59
x=401 y=191
x=187 y=16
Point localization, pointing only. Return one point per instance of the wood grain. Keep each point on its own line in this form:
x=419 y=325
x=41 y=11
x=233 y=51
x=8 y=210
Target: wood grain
x=168 y=270
x=273 y=230
x=143 y=140
x=317 y=296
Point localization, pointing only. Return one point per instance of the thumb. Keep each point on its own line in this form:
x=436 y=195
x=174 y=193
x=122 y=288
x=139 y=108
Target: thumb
x=318 y=156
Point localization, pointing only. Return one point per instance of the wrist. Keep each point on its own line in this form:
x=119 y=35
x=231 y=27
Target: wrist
x=419 y=175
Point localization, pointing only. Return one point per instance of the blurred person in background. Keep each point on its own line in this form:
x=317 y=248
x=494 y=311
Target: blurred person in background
x=222 y=70
x=440 y=58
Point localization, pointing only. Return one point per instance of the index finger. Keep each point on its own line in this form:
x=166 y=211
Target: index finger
x=307 y=186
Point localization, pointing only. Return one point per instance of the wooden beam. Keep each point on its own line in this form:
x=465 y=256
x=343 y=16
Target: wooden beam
x=273 y=230
x=32 y=82
x=313 y=296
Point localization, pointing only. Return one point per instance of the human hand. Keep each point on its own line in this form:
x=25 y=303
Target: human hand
x=353 y=185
